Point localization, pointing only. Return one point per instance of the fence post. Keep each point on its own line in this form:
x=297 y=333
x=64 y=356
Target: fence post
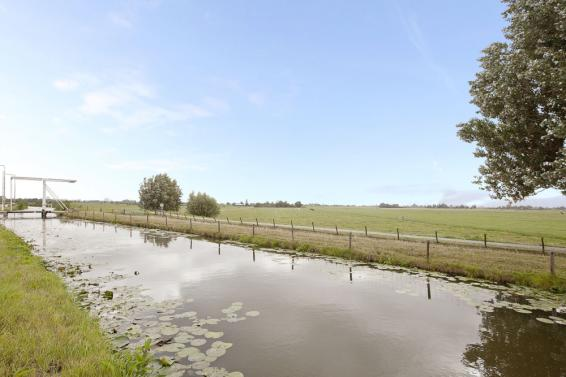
x=114 y=218
x=552 y=263
x=366 y=227
x=397 y=234
x=218 y=226
x=542 y=243
x=292 y=231
x=484 y=240
x=147 y=220
x=228 y=221
x=241 y=222
x=190 y=225
x=350 y=241
x=256 y=222
x=130 y=220
x=165 y=220
x=313 y=226
x=336 y=229
x=436 y=235
x=253 y=230
x=102 y=216
x=427 y=251
x=273 y=223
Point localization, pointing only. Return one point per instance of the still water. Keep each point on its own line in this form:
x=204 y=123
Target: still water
x=290 y=315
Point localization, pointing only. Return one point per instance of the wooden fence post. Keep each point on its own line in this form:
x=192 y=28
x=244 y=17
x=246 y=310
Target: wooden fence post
x=165 y=220
x=114 y=218
x=397 y=234
x=484 y=240
x=350 y=241
x=218 y=226
x=228 y=221
x=273 y=223
x=253 y=230
x=102 y=216
x=241 y=222
x=313 y=226
x=366 y=227
x=256 y=222
x=542 y=243
x=292 y=231
x=147 y=220
x=190 y=225
x=552 y=263
x=427 y=251
x=336 y=229
x=436 y=235
x=130 y=220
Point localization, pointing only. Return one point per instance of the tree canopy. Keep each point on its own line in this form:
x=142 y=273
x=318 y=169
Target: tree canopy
x=160 y=189
x=201 y=204
x=521 y=96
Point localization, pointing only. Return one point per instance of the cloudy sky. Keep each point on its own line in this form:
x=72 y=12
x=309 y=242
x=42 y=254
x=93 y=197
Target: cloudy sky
x=319 y=101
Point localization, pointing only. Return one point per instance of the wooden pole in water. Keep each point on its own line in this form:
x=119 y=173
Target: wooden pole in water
x=114 y=218
x=147 y=220
x=366 y=227
x=103 y=216
x=130 y=220
x=552 y=263
x=190 y=225
x=397 y=234
x=542 y=243
x=436 y=235
x=350 y=241
x=427 y=251
x=484 y=240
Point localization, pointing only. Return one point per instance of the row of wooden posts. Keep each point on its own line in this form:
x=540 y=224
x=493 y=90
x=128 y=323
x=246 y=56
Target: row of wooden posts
x=551 y=254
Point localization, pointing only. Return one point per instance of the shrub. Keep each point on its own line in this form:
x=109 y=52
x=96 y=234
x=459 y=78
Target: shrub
x=201 y=204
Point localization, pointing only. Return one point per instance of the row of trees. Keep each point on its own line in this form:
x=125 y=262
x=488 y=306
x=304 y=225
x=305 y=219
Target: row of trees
x=161 y=192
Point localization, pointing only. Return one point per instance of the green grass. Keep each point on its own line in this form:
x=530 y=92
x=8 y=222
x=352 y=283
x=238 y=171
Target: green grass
x=43 y=331
x=515 y=226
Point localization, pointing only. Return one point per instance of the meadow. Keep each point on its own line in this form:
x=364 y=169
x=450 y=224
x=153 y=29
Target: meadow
x=500 y=225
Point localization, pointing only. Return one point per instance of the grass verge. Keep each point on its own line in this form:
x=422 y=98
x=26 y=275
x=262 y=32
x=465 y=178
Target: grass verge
x=498 y=265
x=43 y=331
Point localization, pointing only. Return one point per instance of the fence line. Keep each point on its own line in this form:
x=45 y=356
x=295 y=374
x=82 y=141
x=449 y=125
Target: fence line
x=398 y=235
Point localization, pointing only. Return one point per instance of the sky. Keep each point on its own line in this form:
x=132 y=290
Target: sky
x=336 y=102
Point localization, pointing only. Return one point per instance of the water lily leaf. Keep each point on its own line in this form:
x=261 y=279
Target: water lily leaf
x=214 y=334
x=545 y=320
x=121 y=341
x=252 y=313
x=165 y=361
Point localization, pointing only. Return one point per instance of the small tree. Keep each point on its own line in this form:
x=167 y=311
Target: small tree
x=160 y=189
x=201 y=204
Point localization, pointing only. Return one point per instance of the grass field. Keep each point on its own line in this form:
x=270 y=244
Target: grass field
x=42 y=331
x=515 y=226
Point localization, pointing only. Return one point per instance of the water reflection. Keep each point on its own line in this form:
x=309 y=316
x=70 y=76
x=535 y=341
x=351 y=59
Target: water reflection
x=512 y=344
x=314 y=321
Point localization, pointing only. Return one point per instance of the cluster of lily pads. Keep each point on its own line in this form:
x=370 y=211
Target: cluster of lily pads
x=181 y=341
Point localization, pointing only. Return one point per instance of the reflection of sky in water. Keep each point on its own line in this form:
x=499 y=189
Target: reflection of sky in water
x=316 y=319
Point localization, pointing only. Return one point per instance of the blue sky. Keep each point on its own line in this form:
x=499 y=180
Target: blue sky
x=319 y=101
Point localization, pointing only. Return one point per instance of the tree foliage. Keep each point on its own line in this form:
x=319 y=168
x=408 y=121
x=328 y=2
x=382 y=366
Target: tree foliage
x=201 y=204
x=521 y=96
x=160 y=189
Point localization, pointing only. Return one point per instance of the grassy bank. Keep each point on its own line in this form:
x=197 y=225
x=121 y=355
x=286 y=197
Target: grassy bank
x=515 y=226
x=504 y=266
x=42 y=331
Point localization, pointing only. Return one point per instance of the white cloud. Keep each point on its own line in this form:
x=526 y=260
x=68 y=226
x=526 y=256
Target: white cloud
x=419 y=42
x=124 y=20
x=66 y=85
x=106 y=100
x=155 y=165
x=256 y=98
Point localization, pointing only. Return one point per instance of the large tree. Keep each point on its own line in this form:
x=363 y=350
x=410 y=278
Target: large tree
x=521 y=96
x=160 y=189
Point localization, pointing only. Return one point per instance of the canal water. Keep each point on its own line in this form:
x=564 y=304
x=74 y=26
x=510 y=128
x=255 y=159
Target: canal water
x=220 y=309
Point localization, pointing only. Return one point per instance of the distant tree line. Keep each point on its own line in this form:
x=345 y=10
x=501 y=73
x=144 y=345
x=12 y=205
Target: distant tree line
x=277 y=204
